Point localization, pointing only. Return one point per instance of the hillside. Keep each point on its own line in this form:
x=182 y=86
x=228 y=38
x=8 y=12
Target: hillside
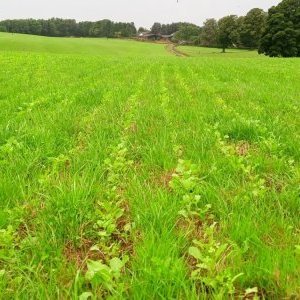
x=129 y=172
x=80 y=46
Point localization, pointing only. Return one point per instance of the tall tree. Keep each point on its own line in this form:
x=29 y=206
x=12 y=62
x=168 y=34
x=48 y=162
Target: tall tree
x=239 y=25
x=282 y=34
x=172 y=28
x=84 y=28
x=124 y=29
x=51 y=27
x=156 y=28
x=142 y=29
x=228 y=31
x=188 y=33
x=35 y=27
x=252 y=27
x=103 y=28
x=209 y=34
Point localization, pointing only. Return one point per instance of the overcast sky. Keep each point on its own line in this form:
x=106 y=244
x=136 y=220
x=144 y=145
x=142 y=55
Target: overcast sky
x=142 y=12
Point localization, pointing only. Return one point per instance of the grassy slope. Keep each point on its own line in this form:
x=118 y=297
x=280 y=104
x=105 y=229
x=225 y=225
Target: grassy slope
x=81 y=46
x=62 y=116
x=214 y=52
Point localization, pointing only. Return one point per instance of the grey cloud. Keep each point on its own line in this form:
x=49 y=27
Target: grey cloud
x=142 y=12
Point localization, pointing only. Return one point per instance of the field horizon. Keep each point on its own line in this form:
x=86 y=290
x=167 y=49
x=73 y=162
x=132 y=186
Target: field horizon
x=127 y=172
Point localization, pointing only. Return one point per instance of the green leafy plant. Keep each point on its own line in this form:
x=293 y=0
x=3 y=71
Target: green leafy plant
x=210 y=268
x=104 y=277
x=8 y=243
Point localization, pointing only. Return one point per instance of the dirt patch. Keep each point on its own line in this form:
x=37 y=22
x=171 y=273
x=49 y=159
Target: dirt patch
x=166 y=178
x=22 y=231
x=27 y=225
x=79 y=255
x=193 y=228
x=242 y=148
x=260 y=294
x=163 y=180
x=172 y=48
x=133 y=128
x=274 y=184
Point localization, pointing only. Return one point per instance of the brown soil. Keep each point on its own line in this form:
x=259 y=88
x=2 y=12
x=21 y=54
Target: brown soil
x=79 y=255
x=242 y=148
x=172 y=48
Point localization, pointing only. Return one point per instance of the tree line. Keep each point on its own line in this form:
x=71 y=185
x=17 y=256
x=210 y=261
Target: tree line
x=274 y=33
x=230 y=31
x=69 y=27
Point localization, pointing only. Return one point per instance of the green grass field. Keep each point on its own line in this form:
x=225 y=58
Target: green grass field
x=129 y=173
x=214 y=52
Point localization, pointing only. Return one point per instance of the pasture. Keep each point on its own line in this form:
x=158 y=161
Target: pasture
x=128 y=172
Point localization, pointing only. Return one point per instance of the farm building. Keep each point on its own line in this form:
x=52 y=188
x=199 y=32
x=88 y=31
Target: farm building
x=148 y=36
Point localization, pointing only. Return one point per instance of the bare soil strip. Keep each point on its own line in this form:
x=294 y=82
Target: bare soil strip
x=172 y=48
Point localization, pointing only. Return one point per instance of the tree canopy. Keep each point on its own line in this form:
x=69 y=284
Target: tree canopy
x=209 y=33
x=282 y=34
x=188 y=33
x=228 y=31
x=252 y=27
x=69 y=27
x=276 y=33
x=156 y=28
